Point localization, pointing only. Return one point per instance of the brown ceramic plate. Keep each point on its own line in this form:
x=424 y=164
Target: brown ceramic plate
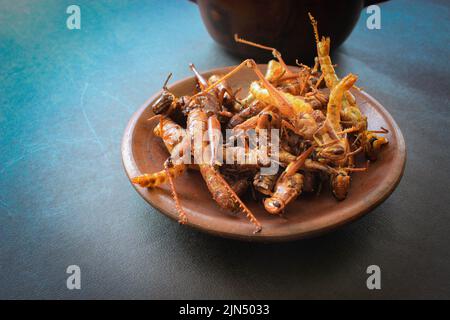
x=309 y=215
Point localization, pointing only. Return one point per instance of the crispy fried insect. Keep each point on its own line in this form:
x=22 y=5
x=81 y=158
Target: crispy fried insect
x=351 y=112
x=288 y=186
x=217 y=186
x=335 y=102
x=340 y=181
x=170 y=172
x=329 y=150
x=168 y=103
x=175 y=139
x=166 y=100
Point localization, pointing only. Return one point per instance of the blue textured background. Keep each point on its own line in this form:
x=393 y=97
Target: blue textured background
x=66 y=96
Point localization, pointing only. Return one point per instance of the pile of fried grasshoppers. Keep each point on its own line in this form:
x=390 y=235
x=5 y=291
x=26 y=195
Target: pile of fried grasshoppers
x=320 y=132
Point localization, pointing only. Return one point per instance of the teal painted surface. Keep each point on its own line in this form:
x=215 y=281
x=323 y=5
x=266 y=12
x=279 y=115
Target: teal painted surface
x=66 y=97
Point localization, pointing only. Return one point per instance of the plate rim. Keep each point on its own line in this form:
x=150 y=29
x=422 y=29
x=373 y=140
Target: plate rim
x=130 y=166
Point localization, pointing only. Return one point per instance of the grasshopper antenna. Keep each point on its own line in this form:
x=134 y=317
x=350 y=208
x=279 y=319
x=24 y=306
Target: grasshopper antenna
x=167 y=81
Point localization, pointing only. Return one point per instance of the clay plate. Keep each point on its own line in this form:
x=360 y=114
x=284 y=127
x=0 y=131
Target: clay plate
x=142 y=152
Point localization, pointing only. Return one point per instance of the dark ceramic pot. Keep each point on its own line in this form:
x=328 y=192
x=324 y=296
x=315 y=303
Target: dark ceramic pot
x=283 y=24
